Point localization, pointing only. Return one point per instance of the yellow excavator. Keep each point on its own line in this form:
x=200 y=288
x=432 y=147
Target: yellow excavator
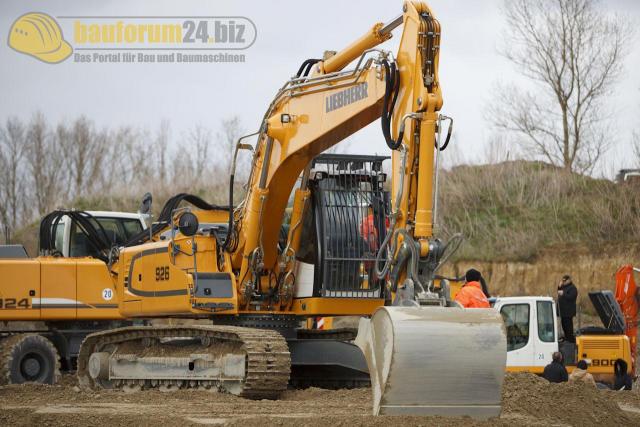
x=346 y=249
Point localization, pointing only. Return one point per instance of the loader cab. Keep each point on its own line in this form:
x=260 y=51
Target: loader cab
x=343 y=227
x=119 y=226
x=531 y=328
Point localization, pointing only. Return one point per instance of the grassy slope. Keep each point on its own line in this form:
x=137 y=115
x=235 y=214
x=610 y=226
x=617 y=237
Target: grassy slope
x=510 y=211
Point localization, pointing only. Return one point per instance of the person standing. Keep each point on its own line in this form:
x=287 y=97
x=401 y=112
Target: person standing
x=555 y=372
x=567 y=296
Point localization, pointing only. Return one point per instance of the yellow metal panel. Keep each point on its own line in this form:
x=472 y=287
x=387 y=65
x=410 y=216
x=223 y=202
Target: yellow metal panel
x=17 y=279
x=131 y=308
x=58 y=288
x=96 y=291
x=601 y=351
x=221 y=216
x=335 y=306
x=162 y=288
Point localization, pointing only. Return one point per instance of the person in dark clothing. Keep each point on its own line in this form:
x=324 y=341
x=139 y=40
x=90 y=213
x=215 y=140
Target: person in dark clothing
x=567 y=296
x=473 y=275
x=622 y=380
x=555 y=372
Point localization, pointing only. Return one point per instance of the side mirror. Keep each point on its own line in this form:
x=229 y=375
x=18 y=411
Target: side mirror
x=145 y=206
x=188 y=224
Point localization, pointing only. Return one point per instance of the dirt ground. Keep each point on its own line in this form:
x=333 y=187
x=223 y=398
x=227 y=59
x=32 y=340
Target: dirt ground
x=527 y=400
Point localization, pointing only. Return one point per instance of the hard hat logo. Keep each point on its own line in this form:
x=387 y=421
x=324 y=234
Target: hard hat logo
x=40 y=36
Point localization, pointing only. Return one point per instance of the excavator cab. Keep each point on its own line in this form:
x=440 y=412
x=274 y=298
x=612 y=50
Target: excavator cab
x=343 y=227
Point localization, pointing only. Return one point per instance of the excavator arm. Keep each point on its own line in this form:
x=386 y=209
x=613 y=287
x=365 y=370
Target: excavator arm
x=313 y=112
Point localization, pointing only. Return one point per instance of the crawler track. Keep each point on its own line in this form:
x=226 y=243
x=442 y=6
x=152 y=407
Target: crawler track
x=268 y=362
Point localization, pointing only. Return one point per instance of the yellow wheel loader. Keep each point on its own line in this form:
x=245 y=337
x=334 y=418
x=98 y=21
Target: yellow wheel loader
x=44 y=314
x=256 y=283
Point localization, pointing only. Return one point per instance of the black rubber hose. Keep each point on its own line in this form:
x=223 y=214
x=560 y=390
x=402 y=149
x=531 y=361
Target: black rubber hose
x=165 y=216
x=392 y=85
x=306 y=66
x=310 y=66
x=446 y=141
x=96 y=235
x=227 y=239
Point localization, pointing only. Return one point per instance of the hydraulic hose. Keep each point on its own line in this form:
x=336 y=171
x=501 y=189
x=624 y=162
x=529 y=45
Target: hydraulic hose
x=95 y=234
x=306 y=66
x=165 y=216
x=227 y=239
x=392 y=86
x=391 y=232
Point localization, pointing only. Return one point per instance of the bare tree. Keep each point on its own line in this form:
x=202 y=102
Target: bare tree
x=226 y=138
x=12 y=151
x=635 y=143
x=84 y=149
x=45 y=163
x=43 y=166
x=573 y=53
x=200 y=141
x=161 y=147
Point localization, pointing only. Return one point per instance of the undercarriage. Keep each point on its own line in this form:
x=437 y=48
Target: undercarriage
x=253 y=362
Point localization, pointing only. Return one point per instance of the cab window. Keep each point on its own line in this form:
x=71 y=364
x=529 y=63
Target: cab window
x=516 y=322
x=60 y=236
x=131 y=227
x=112 y=228
x=119 y=230
x=545 y=321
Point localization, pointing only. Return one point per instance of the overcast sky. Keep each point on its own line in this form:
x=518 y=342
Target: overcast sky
x=287 y=33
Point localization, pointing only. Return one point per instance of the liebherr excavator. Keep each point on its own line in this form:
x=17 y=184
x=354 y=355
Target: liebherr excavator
x=255 y=280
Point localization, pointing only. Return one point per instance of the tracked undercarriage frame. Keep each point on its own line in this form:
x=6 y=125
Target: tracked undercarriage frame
x=248 y=362
x=255 y=362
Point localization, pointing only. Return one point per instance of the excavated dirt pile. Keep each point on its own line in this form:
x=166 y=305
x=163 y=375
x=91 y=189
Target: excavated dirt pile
x=531 y=397
x=527 y=400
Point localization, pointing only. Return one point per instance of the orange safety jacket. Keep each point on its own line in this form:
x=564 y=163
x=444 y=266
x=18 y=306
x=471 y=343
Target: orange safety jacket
x=471 y=296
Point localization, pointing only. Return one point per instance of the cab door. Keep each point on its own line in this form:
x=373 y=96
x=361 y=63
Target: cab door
x=517 y=322
x=545 y=329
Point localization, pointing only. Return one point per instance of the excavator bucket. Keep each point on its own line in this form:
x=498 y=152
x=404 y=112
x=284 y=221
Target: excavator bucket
x=435 y=360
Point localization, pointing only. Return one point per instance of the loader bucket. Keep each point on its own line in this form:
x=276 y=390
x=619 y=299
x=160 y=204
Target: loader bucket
x=435 y=360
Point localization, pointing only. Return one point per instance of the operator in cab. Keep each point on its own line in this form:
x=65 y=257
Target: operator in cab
x=471 y=294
